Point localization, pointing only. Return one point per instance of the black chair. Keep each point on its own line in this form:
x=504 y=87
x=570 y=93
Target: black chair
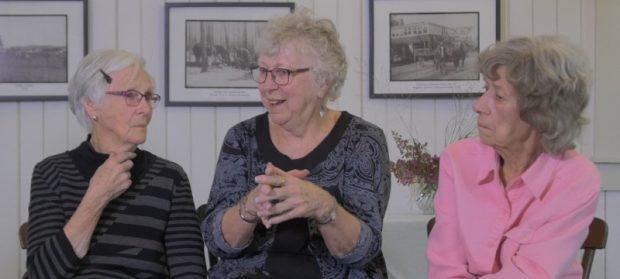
x=201 y=213
x=23 y=235
x=596 y=239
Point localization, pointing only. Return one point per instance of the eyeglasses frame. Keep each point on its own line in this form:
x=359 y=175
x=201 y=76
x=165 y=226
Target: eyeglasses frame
x=291 y=73
x=153 y=99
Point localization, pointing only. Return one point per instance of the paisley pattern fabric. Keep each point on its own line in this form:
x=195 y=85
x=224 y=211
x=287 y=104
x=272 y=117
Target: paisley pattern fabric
x=351 y=163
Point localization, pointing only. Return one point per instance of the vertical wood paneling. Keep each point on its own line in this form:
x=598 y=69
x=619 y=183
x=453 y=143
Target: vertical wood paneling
x=204 y=154
x=192 y=137
x=373 y=110
x=351 y=30
x=178 y=137
x=569 y=20
x=55 y=130
x=31 y=149
x=612 y=252
x=30 y=152
x=153 y=52
x=129 y=25
x=421 y=123
x=606 y=103
x=598 y=266
x=588 y=43
x=544 y=17
x=103 y=24
x=519 y=18
x=398 y=120
x=76 y=134
x=10 y=258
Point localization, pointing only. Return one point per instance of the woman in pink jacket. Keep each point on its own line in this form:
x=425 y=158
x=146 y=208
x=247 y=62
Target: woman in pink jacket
x=517 y=201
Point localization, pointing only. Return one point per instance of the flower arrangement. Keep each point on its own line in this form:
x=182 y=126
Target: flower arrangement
x=416 y=165
x=417 y=168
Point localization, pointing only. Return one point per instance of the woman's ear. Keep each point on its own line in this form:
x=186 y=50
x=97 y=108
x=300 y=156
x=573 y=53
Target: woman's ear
x=91 y=109
x=323 y=89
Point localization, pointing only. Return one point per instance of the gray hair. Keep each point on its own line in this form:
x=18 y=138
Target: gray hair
x=88 y=83
x=319 y=41
x=551 y=78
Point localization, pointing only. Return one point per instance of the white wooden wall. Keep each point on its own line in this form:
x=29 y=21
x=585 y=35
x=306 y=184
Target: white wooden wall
x=191 y=136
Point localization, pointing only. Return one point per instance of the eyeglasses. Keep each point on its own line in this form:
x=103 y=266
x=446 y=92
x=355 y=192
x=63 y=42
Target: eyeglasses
x=280 y=76
x=133 y=97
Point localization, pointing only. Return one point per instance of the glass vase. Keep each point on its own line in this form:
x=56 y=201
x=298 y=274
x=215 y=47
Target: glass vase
x=423 y=198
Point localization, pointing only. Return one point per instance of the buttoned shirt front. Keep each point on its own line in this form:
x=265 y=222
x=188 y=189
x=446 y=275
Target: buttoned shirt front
x=532 y=227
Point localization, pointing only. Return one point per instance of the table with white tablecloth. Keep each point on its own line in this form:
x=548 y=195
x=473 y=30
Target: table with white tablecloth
x=404 y=245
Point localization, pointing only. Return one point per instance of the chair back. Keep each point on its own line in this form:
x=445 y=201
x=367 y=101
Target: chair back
x=23 y=235
x=429 y=226
x=596 y=239
x=201 y=212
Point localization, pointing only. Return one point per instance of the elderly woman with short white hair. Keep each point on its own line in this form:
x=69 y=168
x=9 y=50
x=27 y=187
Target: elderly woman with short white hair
x=108 y=209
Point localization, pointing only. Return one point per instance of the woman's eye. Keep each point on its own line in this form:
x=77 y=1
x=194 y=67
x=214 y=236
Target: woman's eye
x=132 y=94
x=281 y=72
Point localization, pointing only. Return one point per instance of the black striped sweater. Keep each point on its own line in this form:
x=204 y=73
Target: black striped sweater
x=150 y=231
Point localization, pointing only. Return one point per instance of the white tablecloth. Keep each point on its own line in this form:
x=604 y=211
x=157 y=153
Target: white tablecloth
x=404 y=245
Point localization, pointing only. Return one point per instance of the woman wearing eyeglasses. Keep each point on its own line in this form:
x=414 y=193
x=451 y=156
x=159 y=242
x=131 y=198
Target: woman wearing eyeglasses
x=107 y=209
x=301 y=190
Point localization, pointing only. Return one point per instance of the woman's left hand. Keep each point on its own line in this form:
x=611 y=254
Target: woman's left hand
x=289 y=196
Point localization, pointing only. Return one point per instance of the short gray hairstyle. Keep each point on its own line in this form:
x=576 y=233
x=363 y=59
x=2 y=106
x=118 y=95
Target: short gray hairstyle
x=551 y=77
x=319 y=40
x=88 y=83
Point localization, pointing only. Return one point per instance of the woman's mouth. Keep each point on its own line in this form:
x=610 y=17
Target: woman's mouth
x=276 y=102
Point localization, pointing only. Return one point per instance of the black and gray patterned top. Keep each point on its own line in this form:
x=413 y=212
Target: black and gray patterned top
x=351 y=163
x=150 y=231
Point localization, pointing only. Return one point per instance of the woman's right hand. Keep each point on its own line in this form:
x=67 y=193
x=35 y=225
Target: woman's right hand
x=110 y=180
x=113 y=177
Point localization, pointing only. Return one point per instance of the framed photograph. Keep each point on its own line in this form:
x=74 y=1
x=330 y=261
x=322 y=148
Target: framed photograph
x=210 y=50
x=41 y=44
x=424 y=48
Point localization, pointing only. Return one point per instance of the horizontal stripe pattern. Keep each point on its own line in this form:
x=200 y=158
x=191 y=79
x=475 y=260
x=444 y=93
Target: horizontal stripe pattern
x=150 y=231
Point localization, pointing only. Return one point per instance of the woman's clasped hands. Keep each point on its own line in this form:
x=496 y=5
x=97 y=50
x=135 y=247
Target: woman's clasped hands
x=282 y=196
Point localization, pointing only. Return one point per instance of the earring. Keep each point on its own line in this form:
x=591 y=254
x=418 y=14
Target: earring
x=94 y=118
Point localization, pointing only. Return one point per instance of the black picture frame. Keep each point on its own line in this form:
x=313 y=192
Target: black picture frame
x=429 y=49
x=41 y=44
x=226 y=32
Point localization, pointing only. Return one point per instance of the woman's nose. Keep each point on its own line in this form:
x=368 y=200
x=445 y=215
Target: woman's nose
x=477 y=105
x=270 y=81
x=144 y=107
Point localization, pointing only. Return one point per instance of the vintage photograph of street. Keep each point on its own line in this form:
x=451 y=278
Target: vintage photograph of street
x=219 y=54
x=434 y=46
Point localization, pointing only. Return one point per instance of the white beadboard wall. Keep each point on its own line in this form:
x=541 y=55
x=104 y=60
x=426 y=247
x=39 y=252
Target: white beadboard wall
x=191 y=136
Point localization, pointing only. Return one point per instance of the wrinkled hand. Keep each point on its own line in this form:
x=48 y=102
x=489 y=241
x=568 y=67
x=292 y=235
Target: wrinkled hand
x=113 y=177
x=282 y=196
